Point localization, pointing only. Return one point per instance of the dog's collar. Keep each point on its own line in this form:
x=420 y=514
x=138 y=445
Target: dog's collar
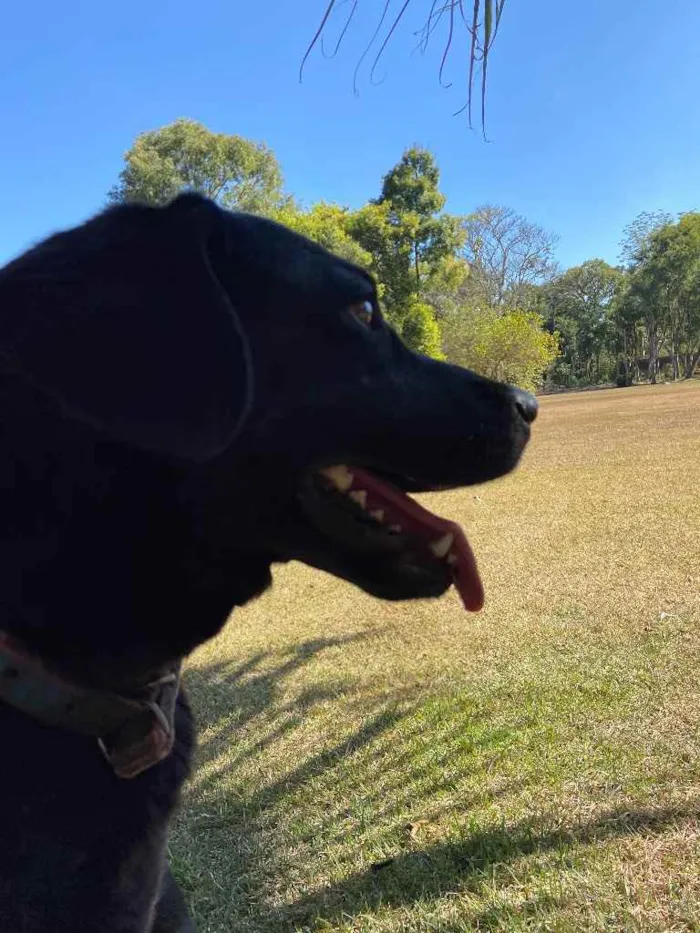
x=134 y=731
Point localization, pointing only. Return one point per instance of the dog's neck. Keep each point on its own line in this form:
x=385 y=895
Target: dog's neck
x=134 y=728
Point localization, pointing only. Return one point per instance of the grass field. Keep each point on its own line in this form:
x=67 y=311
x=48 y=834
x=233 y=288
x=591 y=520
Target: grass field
x=407 y=767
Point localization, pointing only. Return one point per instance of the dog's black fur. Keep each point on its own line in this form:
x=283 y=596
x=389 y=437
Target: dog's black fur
x=167 y=378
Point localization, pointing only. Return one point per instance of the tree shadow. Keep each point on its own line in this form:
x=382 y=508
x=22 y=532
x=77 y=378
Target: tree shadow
x=429 y=873
x=226 y=853
x=220 y=851
x=227 y=697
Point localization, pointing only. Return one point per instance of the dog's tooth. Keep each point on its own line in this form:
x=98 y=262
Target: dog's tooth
x=452 y=559
x=442 y=545
x=359 y=496
x=378 y=514
x=340 y=476
x=395 y=529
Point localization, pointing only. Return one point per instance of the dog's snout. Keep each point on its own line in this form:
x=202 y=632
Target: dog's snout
x=526 y=404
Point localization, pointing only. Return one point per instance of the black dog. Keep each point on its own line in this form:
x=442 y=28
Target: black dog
x=189 y=396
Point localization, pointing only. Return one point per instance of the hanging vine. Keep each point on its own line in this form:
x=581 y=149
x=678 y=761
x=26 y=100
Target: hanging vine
x=478 y=25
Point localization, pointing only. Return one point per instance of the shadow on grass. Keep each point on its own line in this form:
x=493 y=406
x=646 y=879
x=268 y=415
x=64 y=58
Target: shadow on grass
x=221 y=853
x=484 y=857
x=225 y=847
x=230 y=697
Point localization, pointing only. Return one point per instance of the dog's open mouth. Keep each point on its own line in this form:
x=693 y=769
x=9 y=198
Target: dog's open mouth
x=375 y=519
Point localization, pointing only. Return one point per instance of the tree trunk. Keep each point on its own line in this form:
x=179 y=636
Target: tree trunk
x=626 y=366
x=653 y=352
x=690 y=364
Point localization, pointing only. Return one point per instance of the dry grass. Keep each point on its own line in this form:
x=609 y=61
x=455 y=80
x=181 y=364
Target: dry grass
x=376 y=767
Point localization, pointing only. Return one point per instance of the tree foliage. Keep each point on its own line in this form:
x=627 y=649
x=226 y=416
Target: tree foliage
x=511 y=346
x=633 y=322
x=186 y=156
x=417 y=251
x=636 y=234
x=327 y=224
x=413 y=245
x=579 y=304
x=663 y=294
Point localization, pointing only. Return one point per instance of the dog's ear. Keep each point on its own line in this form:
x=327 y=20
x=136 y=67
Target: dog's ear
x=125 y=323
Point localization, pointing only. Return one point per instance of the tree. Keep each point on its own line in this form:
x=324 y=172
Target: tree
x=636 y=235
x=512 y=346
x=419 y=328
x=629 y=334
x=185 y=155
x=412 y=244
x=579 y=305
x=673 y=255
x=664 y=293
x=327 y=224
x=425 y=241
x=507 y=256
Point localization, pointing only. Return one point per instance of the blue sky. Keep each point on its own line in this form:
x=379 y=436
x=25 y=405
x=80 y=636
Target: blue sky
x=591 y=119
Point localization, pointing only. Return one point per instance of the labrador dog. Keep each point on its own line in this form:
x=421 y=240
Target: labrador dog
x=188 y=397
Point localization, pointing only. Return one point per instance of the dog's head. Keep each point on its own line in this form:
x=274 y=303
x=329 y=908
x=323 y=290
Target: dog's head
x=258 y=367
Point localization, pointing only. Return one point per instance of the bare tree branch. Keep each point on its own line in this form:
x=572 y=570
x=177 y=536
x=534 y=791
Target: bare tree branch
x=507 y=255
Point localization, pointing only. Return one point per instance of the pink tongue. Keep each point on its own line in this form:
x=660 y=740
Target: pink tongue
x=401 y=510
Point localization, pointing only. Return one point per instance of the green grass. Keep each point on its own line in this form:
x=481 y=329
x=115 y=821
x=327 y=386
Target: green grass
x=377 y=767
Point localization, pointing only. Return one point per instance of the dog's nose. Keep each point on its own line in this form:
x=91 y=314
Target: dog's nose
x=526 y=405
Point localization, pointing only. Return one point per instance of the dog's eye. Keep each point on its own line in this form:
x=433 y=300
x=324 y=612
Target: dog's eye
x=363 y=311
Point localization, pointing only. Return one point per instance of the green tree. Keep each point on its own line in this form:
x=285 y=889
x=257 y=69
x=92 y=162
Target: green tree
x=186 y=156
x=413 y=245
x=419 y=328
x=423 y=241
x=674 y=251
x=664 y=293
x=513 y=346
x=327 y=224
x=331 y=226
x=626 y=317
x=580 y=305
x=636 y=235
